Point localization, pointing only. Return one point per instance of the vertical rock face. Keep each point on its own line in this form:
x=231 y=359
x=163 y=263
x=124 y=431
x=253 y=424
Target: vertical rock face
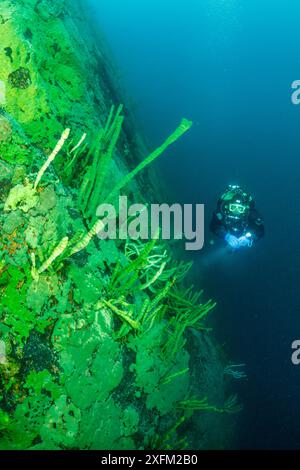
x=42 y=78
x=93 y=332
x=53 y=74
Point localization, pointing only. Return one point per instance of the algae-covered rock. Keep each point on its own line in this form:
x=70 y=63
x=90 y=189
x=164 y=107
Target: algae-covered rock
x=6 y=170
x=33 y=232
x=61 y=424
x=43 y=72
x=97 y=367
x=53 y=10
x=47 y=200
x=40 y=291
x=5 y=127
x=2 y=98
x=12 y=221
x=95 y=434
x=21 y=197
x=152 y=371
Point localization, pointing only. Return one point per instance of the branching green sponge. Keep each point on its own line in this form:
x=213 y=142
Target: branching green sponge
x=55 y=254
x=184 y=126
x=51 y=157
x=121 y=313
x=83 y=243
x=113 y=132
x=231 y=405
x=102 y=153
x=24 y=196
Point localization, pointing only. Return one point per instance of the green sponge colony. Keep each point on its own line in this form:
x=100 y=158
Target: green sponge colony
x=95 y=341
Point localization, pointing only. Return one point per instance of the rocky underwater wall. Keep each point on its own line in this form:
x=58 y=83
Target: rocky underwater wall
x=103 y=343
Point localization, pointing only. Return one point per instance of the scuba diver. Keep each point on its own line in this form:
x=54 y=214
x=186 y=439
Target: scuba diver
x=236 y=220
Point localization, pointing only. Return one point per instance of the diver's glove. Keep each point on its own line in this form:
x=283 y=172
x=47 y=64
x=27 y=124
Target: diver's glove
x=245 y=240
x=232 y=240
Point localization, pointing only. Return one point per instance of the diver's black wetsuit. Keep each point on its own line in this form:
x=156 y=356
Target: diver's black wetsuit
x=254 y=225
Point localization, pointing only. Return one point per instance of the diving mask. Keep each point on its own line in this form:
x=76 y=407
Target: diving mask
x=237 y=209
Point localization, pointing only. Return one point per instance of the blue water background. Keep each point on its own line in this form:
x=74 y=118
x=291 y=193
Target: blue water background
x=228 y=65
